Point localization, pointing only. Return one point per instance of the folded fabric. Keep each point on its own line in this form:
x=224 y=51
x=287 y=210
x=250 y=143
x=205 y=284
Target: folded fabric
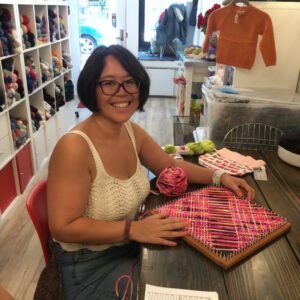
x=215 y=161
x=241 y=159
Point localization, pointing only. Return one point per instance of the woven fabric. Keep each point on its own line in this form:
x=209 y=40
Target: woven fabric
x=215 y=161
x=221 y=221
x=247 y=161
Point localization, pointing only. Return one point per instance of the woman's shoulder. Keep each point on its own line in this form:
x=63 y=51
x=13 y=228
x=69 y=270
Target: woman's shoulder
x=71 y=146
x=70 y=156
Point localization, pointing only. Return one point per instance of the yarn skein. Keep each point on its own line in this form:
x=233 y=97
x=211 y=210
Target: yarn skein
x=172 y=181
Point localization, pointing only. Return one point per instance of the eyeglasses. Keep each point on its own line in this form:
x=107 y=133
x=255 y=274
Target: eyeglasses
x=111 y=87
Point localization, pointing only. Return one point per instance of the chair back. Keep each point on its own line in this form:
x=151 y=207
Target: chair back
x=252 y=136
x=36 y=205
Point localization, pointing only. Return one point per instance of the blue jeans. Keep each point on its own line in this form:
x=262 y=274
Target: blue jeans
x=93 y=274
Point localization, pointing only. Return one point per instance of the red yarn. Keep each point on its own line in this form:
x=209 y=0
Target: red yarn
x=172 y=181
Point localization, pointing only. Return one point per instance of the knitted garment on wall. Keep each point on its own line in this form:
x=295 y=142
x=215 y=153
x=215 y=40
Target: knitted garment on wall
x=239 y=28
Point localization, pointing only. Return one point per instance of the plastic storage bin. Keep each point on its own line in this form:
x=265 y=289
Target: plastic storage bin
x=278 y=108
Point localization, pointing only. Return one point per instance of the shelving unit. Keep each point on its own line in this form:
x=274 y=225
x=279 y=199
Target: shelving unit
x=194 y=71
x=34 y=109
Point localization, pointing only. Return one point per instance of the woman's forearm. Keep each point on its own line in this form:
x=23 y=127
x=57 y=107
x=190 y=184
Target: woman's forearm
x=196 y=173
x=85 y=230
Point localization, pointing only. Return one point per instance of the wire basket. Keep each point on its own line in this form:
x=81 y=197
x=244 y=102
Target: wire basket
x=252 y=136
x=183 y=127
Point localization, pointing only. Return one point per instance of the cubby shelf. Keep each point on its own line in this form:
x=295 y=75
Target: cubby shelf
x=35 y=107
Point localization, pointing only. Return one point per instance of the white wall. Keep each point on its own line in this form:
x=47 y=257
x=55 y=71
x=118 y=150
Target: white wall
x=132 y=25
x=286 y=24
x=74 y=41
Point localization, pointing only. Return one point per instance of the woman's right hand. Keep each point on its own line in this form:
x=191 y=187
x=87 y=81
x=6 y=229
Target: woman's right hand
x=158 y=229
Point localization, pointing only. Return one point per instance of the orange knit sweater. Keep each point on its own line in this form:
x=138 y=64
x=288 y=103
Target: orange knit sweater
x=239 y=28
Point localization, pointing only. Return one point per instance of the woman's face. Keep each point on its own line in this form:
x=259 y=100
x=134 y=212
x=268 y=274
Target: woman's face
x=120 y=106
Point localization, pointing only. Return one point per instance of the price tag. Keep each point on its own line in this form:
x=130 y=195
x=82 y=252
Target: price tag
x=260 y=174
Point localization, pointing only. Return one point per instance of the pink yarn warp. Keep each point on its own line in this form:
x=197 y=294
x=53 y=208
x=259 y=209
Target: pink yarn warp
x=172 y=181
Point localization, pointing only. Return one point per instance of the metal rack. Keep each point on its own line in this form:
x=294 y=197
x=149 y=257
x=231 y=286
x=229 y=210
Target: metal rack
x=252 y=136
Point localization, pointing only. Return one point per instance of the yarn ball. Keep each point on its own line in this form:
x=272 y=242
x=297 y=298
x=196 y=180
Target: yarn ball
x=172 y=182
x=169 y=149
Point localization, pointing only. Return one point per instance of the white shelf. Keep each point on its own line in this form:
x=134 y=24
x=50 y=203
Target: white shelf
x=41 y=135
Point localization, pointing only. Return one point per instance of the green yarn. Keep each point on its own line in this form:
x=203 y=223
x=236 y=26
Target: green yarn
x=198 y=148
x=208 y=146
x=169 y=149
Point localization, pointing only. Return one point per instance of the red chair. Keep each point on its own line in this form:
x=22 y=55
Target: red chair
x=36 y=205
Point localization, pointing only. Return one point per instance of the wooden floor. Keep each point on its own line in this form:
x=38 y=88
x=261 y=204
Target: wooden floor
x=21 y=259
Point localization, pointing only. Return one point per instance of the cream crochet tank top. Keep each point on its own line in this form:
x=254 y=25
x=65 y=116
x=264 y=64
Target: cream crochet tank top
x=112 y=198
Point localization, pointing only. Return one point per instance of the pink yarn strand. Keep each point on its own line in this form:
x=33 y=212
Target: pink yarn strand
x=129 y=282
x=221 y=220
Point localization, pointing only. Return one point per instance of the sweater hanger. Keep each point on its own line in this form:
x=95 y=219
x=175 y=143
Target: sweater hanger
x=243 y=2
x=226 y=2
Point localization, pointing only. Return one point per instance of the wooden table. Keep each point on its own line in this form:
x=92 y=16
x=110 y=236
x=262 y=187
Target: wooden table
x=271 y=273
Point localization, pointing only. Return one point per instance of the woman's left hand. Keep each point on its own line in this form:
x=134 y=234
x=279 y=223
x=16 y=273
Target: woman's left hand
x=239 y=186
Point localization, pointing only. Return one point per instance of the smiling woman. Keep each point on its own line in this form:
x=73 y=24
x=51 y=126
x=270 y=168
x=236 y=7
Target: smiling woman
x=92 y=74
x=97 y=182
x=113 y=85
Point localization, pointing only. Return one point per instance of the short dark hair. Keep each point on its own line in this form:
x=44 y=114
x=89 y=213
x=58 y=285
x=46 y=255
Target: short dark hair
x=88 y=77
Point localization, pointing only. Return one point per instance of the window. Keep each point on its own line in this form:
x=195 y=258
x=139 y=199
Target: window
x=96 y=25
x=148 y=21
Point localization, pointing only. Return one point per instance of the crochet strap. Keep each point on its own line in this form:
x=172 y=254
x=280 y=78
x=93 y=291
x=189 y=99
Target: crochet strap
x=96 y=156
x=132 y=137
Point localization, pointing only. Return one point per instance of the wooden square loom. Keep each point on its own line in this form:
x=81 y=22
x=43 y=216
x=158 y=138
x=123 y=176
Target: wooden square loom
x=224 y=227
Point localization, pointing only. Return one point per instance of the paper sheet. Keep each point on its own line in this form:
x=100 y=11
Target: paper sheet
x=161 y=293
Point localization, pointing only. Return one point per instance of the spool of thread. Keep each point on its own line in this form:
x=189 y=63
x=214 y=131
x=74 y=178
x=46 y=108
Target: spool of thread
x=172 y=182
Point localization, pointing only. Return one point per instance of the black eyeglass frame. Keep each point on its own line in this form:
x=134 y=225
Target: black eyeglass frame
x=119 y=86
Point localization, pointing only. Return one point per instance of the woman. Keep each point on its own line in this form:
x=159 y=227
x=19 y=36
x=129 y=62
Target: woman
x=4 y=295
x=96 y=181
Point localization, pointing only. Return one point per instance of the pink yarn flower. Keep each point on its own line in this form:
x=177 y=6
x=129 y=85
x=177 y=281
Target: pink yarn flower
x=172 y=181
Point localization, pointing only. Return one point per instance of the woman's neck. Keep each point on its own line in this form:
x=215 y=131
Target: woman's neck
x=105 y=127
